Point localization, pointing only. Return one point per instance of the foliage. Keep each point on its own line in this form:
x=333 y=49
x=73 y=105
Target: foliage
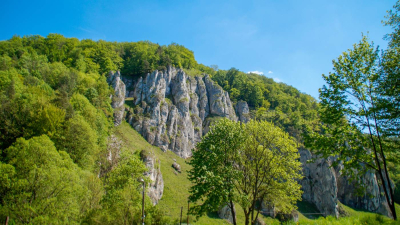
x=351 y=126
x=55 y=119
x=213 y=173
x=41 y=185
x=282 y=104
x=246 y=163
x=270 y=170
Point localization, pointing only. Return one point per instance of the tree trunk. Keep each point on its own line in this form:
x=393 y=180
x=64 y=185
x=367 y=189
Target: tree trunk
x=247 y=217
x=233 y=212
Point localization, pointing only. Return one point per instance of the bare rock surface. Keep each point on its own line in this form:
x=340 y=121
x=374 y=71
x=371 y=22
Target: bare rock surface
x=118 y=97
x=225 y=212
x=156 y=185
x=324 y=186
x=171 y=108
x=369 y=198
x=243 y=112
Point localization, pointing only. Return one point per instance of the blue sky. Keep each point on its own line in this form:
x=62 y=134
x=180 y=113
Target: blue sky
x=291 y=41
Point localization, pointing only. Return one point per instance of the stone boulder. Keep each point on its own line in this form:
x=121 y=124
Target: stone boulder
x=177 y=167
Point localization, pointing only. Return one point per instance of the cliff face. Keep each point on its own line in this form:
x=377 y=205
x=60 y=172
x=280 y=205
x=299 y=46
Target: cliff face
x=173 y=111
x=319 y=183
x=156 y=186
x=371 y=198
x=324 y=186
x=118 y=97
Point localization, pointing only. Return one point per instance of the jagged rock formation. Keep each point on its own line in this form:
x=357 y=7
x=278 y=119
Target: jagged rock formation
x=118 y=98
x=243 y=112
x=173 y=110
x=370 y=199
x=319 y=183
x=156 y=186
x=324 y=186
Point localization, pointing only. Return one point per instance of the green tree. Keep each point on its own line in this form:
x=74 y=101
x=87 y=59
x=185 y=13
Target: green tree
x=269 y=169
x=213 y=170
x=352 y=130
x=40 y=185
x=246 y=163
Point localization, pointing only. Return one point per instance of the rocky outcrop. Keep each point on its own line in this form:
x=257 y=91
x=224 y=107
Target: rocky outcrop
x=319 y=183
x=324 y=186
x=369 y=198
x=225 y=212
x=172 y=109
x=118 y=97
x=243 y=112
x=156 y=185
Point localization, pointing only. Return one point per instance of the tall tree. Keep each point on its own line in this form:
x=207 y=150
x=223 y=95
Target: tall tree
x=213 y=173
x=270 y=170
x=352 y=129
x=248 y=164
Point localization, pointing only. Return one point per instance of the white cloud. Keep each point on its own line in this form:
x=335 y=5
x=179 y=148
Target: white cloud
x=256 y=72
x=270 y=72
x=277 y=79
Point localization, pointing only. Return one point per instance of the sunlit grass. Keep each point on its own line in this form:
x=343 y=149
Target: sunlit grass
x=176 y=191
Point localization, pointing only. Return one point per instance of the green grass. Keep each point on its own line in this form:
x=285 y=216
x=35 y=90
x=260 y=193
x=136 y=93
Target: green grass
x=354 y=217
x=176 y=187
x=176 y=191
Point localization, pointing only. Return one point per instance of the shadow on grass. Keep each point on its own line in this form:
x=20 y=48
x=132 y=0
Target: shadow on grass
x=213 y=215
x=309 y=210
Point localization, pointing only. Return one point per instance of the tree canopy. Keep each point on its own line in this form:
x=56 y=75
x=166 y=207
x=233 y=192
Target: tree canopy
x=245 y=163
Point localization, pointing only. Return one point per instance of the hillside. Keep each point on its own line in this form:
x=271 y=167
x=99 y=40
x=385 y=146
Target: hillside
x=70 y=153
x=177 y=190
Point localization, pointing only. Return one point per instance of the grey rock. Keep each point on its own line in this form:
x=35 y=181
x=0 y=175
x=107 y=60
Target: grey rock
x=177 y=167
x=243 y=112
x=292 y=216
x=319 y=183
x=259 y=221
x=156 y=186
x=324 y=186
x=369 y=198
x=225 y=212
x=118 y=97
x=171 y=109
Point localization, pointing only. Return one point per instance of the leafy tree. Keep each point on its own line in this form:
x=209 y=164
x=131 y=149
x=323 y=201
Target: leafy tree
x=121 y=203
x=269 y=169
x=247 y=163
x=352 y=129
x=80 y=141
x=213 y=170
x=40 y=185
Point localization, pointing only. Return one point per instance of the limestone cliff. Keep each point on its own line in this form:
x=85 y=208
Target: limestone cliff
x=118 y=97
x=319 y=183
x=155 y=188
x=172 y=110
x=324 y=186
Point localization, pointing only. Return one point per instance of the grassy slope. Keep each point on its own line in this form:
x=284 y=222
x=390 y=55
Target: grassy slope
x=176 y=189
